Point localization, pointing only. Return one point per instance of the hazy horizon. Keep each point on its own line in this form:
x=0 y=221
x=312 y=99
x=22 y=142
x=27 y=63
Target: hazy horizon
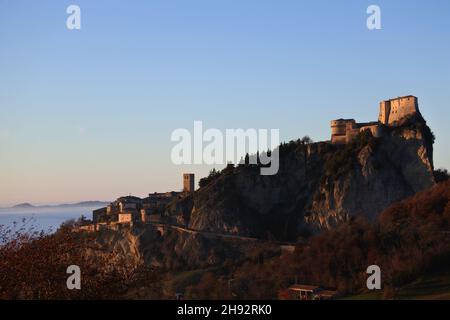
x=49 y=204
x=87 y=114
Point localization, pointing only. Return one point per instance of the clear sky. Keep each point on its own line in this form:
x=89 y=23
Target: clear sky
x=87 y=114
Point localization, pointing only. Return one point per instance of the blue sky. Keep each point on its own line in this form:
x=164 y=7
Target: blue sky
x=87 y=114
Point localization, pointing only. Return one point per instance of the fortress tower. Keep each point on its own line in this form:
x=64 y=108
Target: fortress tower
x=339 y=129
x=188 y=182
x=395 y=109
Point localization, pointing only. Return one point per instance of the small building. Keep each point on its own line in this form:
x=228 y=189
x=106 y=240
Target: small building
x=112 y=209
x=98 y=215
x=125 y=217
x=123 y=206
x=149 y=216
x=303 y=292
x=88 y=228
x=310 y=292
x=128 y=216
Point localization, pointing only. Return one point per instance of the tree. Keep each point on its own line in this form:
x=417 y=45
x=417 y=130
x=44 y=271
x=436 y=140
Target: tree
x=441 y=175
x=305 y=141
x=247 y=159
x=213 y=174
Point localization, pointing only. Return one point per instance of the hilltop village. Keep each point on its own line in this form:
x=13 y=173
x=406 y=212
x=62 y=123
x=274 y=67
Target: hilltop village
x=130 y=210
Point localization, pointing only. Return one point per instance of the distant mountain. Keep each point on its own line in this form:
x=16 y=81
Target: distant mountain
x=85 y=204
x=81 y=204
x=24 y=205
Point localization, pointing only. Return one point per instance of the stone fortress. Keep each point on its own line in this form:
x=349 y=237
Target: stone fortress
x=391 y=112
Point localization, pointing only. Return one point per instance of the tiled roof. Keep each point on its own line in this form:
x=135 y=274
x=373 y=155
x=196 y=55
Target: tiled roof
x=303 y=287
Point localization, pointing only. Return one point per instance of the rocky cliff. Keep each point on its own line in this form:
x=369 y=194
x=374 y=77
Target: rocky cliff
x=318 y=185
x=378 y=173
x=167 y=248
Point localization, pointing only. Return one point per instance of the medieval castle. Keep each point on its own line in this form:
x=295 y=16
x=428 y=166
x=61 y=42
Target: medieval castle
x=391 y=112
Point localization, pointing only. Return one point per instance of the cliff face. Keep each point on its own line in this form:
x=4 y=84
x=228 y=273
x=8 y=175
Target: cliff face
x=171 y=249
x=394 y=168
x=318 y=185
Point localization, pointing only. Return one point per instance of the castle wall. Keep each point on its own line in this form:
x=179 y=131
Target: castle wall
x=396 y=109
x=385 y=110
x=374 y=129
x=351 y=131
x=338 y=139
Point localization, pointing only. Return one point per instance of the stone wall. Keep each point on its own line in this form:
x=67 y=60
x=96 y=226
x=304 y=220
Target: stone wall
x=393 y=110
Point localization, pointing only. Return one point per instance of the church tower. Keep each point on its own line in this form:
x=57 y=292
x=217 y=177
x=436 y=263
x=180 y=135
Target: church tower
x=188 y=182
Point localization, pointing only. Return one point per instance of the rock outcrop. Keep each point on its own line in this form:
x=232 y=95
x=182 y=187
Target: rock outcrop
x=394 y=168
x=169 y=249
x=317 y=187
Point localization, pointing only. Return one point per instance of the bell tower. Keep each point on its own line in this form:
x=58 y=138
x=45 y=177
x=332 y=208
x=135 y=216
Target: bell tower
x=188 y=182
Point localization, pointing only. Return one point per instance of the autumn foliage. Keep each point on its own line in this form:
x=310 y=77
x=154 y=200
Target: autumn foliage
x=33 y=265
x=411 y=238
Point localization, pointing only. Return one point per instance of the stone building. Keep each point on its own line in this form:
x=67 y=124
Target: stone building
x=345 y=130
x=188 y=182
x=310 y=292
x=391 y=111
x=98 y=215
x=149 y=216
x=130 y=209
x=128 y=216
